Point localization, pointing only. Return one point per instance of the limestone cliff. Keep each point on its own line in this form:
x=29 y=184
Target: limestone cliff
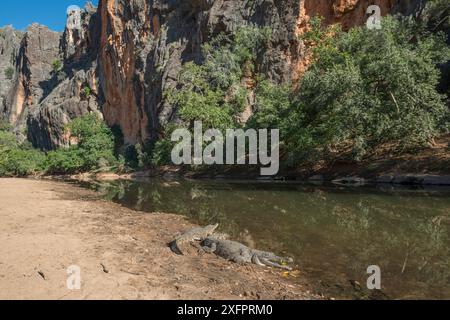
x=127 y=53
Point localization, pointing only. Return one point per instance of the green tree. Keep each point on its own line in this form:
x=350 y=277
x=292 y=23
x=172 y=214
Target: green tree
x=368 y=87
x=94 y=138
x=211 y=91
x=65 y=161
x=94 y=149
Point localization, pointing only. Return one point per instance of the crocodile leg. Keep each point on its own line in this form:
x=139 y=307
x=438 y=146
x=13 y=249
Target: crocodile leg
x=273 y=264
x=174 y=247
x=199 y=248
x=255 y=260
x=211 y=249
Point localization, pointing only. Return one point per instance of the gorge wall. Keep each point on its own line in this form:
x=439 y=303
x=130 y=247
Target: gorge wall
x=127 y=53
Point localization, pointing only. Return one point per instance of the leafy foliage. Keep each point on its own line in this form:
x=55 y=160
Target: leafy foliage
x=57 y=66
x=317 y=32
x=87 y=91
x=20 y=162
x=17 y=159
x=211 y=92
x=437 y=15
x=65 y=161
x=273 y=105
x=9 y=73
x=198 y=101
x=376 y=86
x=364 y=88
x=161 y=153
x=94 y=149
x=5 y=125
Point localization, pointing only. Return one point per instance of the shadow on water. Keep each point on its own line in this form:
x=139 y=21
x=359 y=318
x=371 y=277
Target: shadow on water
x=334 y=233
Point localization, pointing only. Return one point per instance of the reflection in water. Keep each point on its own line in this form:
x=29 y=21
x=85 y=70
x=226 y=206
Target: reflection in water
x=334 y=233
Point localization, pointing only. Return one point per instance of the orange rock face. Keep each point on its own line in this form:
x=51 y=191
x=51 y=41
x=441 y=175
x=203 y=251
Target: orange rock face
x=348 y=13
x=117 y=60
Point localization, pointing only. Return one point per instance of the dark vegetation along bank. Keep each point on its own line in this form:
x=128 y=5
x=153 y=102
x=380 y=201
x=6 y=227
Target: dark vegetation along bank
x=365 y=99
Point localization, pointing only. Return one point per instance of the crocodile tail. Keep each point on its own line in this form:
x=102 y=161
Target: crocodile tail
x=174 y=247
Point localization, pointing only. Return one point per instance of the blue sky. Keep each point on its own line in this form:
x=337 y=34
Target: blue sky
x=22 y=13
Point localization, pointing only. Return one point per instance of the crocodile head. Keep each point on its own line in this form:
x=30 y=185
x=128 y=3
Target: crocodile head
x=209 y=230
x=196 y=234
x=205 y=232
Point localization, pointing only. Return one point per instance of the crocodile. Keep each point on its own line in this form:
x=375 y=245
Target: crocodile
x=239 y=253
x=196 y=234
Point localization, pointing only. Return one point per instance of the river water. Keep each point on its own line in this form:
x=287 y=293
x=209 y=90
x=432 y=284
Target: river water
x=334 y=233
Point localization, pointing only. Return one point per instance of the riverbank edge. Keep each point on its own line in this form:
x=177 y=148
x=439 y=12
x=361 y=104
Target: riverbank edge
x=173 y=173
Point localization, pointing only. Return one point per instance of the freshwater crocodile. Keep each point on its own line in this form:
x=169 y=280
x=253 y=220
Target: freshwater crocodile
x=196 y=234
x=239 y=253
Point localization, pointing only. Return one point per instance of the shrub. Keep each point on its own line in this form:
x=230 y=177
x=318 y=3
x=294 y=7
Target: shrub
x=95 y=141
x=211 y=92
x=437 y=15
x=57 y=66
x=197 y=101
x=18 y=160
x=65 y=161
x=87 y=91
x=376 y=87
x=161 y=153
x=317 y=32
x=272 y=107
x=364 y=88
x=5 y=125
x=9 y=73
x=94 y=150
x=7 y=140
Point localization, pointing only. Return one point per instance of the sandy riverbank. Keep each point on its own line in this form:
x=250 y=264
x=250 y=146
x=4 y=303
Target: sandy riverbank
x=47 y=226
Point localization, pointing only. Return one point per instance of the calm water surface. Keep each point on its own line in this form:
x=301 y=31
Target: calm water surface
x=334 y=233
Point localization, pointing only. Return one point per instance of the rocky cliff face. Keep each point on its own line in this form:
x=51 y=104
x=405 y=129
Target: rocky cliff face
x=144 y=44
x=129 y=52
x=9 y=48
x=33 y=80
x=75 y=88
